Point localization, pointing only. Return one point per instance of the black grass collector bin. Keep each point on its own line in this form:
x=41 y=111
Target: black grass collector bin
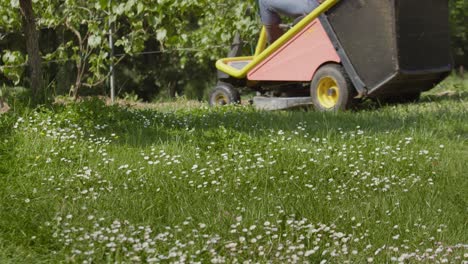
x=396 y=46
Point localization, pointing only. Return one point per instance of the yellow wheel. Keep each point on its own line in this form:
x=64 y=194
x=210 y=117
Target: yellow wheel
x=331 y=89
x=328 y=92
x=224 y=94
x=221 y=99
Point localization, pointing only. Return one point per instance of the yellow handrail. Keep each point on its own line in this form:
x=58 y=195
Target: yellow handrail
x=262 y=42
x=258 y=58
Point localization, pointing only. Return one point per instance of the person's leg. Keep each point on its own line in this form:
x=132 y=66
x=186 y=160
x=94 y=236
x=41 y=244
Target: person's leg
x=293 y=8
x=274 y=32
x=270 y=10
x=270 y=19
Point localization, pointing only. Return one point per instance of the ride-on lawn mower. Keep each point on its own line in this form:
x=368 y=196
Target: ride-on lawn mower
x=344 y=51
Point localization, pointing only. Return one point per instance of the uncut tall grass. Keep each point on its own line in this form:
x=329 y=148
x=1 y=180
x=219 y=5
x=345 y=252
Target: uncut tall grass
x=90 y=183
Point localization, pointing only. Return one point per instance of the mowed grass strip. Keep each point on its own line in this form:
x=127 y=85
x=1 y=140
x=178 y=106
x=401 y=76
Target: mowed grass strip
x=90 y=183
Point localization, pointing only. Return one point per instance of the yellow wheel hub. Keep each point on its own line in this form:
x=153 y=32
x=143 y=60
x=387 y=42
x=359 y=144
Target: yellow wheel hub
x=328 y=92
x=221 y=99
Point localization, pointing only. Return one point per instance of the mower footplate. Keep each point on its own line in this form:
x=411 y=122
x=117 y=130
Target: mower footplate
x=280 y=103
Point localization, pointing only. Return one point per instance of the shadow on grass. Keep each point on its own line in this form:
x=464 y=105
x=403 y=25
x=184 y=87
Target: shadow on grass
x=446 y=96
x=7 y=143
x=212 y=126
x=136 y=128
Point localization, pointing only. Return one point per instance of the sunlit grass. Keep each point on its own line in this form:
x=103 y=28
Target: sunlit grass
x=185 y=183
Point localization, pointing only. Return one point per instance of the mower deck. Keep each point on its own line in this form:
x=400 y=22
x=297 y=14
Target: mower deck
x=280 y=103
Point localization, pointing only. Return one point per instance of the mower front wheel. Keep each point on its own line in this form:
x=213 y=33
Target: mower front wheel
x=331 y=89
x=224 y=94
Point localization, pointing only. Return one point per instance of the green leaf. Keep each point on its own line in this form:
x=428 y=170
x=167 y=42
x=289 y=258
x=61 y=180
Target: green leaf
x=161 y=34
x=103 y=3
x=94 y=41
x=140 y=8
x=14 y=3
x=129 y=5
x=13 y=62
x=119 y=10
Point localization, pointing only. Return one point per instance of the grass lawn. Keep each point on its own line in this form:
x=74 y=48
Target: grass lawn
x=90 y=183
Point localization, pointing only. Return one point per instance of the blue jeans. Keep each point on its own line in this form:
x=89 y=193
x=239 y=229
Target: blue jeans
x=270 y=10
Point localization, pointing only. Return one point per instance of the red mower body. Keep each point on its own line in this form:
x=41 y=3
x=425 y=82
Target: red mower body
x=299 y=58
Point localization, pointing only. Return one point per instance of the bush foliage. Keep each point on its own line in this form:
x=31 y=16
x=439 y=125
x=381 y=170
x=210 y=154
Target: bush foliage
x=162 y=48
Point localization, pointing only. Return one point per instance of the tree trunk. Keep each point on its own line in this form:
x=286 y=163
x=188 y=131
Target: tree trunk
x=172 y=89
x=79 y=76
x=32 y=46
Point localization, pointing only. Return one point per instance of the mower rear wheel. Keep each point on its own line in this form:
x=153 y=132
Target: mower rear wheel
x=224 y=94
x=331 y=89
